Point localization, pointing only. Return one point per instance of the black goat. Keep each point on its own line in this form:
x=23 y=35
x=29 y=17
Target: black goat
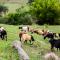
x=3 y=35
x=55 y=43
x=49 y=35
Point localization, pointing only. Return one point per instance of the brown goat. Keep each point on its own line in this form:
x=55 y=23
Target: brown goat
x=25 y=37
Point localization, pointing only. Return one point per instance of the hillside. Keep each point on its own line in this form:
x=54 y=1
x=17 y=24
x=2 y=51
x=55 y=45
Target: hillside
x=13 y=4
x=13 y=1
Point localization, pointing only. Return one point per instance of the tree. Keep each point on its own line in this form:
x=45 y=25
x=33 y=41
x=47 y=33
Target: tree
x=30 y=1
x=3 y=9
x=46 y=11
x=22 y=16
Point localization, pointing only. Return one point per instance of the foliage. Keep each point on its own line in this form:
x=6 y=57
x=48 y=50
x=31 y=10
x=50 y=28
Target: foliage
x=22 y=16
x=17 y=19
x=3 y=9
x=3 y=20
x=39 y=11
x=46 y=26
x=11 y=19
x=46 y=11
x=30 y=1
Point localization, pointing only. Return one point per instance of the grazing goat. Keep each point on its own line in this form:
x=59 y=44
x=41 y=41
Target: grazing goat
x=24 y=28
x=25 y=37
x=40 y=32
x=3 y=34
x=55 y=43
x=49 y=35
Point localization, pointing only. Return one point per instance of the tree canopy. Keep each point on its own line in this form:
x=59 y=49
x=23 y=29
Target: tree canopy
x=46 y=11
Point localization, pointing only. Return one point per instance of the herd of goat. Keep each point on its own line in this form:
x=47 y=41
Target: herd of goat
x=24 y=36
x=45 y=33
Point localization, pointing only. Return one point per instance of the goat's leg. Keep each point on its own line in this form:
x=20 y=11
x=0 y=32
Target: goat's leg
x=25 y=41
x=2 y=37
x=20 y=38
x=59 y=49
x=6 y=37
x=30 y=41
x=52 y=47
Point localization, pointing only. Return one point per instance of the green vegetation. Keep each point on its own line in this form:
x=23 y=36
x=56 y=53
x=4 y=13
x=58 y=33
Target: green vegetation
x=22 y=16
x=46 y=11
x=41 y=12
x=38 y=11
x=3 y=10
x=35 y=51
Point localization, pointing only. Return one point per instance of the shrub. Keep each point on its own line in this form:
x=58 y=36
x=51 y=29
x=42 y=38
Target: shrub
x=3 y=9
x=22 y=16
x=46 y=11
x=19 y=19
x=3 y=20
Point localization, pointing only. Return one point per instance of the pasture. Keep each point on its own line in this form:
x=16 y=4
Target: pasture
x=35 y=51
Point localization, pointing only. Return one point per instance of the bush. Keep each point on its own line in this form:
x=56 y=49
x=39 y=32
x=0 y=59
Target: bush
x=3 y=9
x=18 y=19
x=3 y=20
x=22 y=16
x=46 y=11
x=57 y=22
x=26 y=20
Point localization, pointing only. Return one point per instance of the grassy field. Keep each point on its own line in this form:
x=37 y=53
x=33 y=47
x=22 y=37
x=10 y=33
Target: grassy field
x=35 y=51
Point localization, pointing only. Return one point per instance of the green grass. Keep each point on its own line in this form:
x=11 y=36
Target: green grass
x=6 y=51
x=35 y=51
